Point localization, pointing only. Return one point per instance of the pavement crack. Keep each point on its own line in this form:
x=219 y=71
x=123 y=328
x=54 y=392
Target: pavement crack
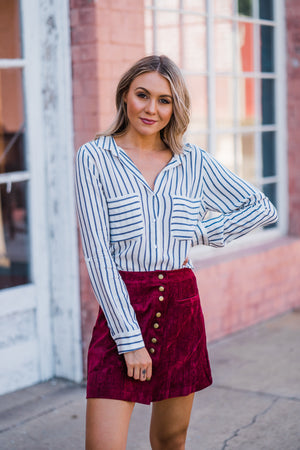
x=248 y=425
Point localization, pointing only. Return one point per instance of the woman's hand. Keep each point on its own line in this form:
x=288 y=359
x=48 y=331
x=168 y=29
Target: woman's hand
x=139 y=364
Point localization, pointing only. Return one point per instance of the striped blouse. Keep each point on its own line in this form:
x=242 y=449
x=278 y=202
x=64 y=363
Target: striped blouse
x=125 y=225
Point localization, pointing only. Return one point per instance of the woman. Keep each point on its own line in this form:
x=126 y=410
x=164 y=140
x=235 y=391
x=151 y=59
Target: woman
x=141 y=197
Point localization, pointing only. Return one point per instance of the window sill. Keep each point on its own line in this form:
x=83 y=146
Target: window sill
x=255 y=243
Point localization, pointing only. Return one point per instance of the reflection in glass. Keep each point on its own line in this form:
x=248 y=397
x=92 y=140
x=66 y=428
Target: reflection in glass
x=270 y=190
x=223 y=30
x=194 y=43
x=12 y=152
x=245 y=7
x=199 y=139
x=197 y=86
x=267 y=48
x=225 y=151
x=245 y=44
x=245 y=157
x=170 y=4
x=266 y=9
x=246 y=101
x=268 y=153
x=267 y=101
x=224 y=8
x=167 y=34
x=224 y=102
x=14 y=235
x=194 y=5
x=10 y=38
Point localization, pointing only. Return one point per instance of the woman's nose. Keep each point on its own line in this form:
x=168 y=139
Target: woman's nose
x=151 y=106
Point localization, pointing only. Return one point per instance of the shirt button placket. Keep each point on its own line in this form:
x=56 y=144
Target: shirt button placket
x=158 y=315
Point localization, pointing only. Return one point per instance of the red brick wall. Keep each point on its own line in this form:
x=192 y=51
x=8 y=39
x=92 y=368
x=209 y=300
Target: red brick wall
x=293 y=109
x=106 y=38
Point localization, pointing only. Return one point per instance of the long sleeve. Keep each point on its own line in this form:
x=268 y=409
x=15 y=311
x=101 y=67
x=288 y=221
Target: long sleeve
x=242 y=207
x=106 y=281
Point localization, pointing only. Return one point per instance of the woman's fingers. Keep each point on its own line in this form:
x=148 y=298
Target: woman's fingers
x=139 y=364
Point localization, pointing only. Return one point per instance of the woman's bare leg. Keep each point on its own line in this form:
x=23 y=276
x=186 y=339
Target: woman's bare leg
x=107 y=423
x=169 y=423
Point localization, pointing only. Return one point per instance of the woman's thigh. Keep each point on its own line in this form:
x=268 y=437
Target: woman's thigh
x=107 y=423
x=169 y=422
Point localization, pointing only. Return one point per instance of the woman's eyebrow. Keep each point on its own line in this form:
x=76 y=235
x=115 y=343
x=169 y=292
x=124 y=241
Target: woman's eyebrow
x=148 y=92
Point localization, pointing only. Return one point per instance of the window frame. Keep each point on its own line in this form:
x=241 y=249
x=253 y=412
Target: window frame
x=280 y=121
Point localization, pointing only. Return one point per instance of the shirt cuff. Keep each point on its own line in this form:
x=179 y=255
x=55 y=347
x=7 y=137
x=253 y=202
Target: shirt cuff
x=129 y=343
x=201 y=234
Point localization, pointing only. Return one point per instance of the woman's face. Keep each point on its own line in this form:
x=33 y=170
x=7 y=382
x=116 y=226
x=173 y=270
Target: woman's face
x=149 y=104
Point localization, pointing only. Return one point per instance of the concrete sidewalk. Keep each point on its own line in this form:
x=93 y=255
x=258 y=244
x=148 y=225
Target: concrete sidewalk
x=254 y=403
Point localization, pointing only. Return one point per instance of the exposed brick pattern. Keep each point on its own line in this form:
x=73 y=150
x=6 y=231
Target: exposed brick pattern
x=293 y=112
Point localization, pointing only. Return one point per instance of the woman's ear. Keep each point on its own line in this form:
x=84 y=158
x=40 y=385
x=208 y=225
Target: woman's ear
x=125 y=97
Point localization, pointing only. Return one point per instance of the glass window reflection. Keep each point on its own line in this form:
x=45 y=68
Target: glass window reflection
x=168 y=42
x=194 y=43
x=266 y=9
x=14 y=235
x=245 y=157
x=267 y=101
x=268 y=153
x=225 y=151
x=12 y=151
x=267 y=48
x=246 y=101
x=245 y=7
x=224 y=102
x=10 y=38
x=223 y=40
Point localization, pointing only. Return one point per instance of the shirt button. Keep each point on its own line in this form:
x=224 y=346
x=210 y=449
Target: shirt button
x=160 y=276
x=154 y=340
x=152 y=350
x=161 y=288
x=156 y=325
x=161 y=298
x=158 y=314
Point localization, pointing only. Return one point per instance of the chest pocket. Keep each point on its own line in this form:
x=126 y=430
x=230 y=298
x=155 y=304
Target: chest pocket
x=186 y=212
x=125 y=218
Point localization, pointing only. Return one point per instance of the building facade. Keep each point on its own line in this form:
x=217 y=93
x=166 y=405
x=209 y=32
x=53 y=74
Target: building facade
x=60 y=62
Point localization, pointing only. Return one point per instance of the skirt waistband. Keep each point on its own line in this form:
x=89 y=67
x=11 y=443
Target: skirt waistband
x=154 y=275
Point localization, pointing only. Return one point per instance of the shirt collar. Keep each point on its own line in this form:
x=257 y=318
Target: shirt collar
x=108 y=143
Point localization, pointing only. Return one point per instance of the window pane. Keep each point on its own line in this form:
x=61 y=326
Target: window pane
x=246 y=101
x=266 y=9
x=197 y=86
x=245 y=7
x=223 y=45
x=168 y=42
x=14 y=236
x=267 y=48
x=268 y=153
x=12 y=151
x=267 y=101
x=194 y=5
x=245 y=157
x=194 y=43
x=199 y=139
x=225 y=151
x=270 y=190
x=170 y=4
x=10 y=39
x=224 y=102
x=224 y=7
x=245 y=45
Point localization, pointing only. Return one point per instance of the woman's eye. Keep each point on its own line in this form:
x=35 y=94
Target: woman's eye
x=141 y=95
x=165 y=101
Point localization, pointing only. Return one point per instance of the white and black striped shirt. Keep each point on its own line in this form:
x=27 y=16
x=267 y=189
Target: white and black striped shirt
x=125 y=225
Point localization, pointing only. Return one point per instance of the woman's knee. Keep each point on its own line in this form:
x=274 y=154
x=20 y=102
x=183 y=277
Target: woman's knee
x=168 y=441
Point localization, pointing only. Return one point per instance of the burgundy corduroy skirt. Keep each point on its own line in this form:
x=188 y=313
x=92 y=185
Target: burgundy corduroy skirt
x=168 y=310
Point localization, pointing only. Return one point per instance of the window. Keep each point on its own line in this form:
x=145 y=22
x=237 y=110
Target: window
x=226 y=50
x=14 y=234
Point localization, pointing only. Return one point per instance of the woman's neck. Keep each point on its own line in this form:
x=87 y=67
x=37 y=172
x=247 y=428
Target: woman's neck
x=149 y=144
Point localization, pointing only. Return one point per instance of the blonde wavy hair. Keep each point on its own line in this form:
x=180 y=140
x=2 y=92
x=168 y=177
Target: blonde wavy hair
x=172 y=134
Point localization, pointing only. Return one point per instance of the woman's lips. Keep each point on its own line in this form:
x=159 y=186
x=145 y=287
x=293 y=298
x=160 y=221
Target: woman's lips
x=148 y=121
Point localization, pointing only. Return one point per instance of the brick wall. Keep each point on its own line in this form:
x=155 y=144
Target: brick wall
x=106 y=38
x=293 y=109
